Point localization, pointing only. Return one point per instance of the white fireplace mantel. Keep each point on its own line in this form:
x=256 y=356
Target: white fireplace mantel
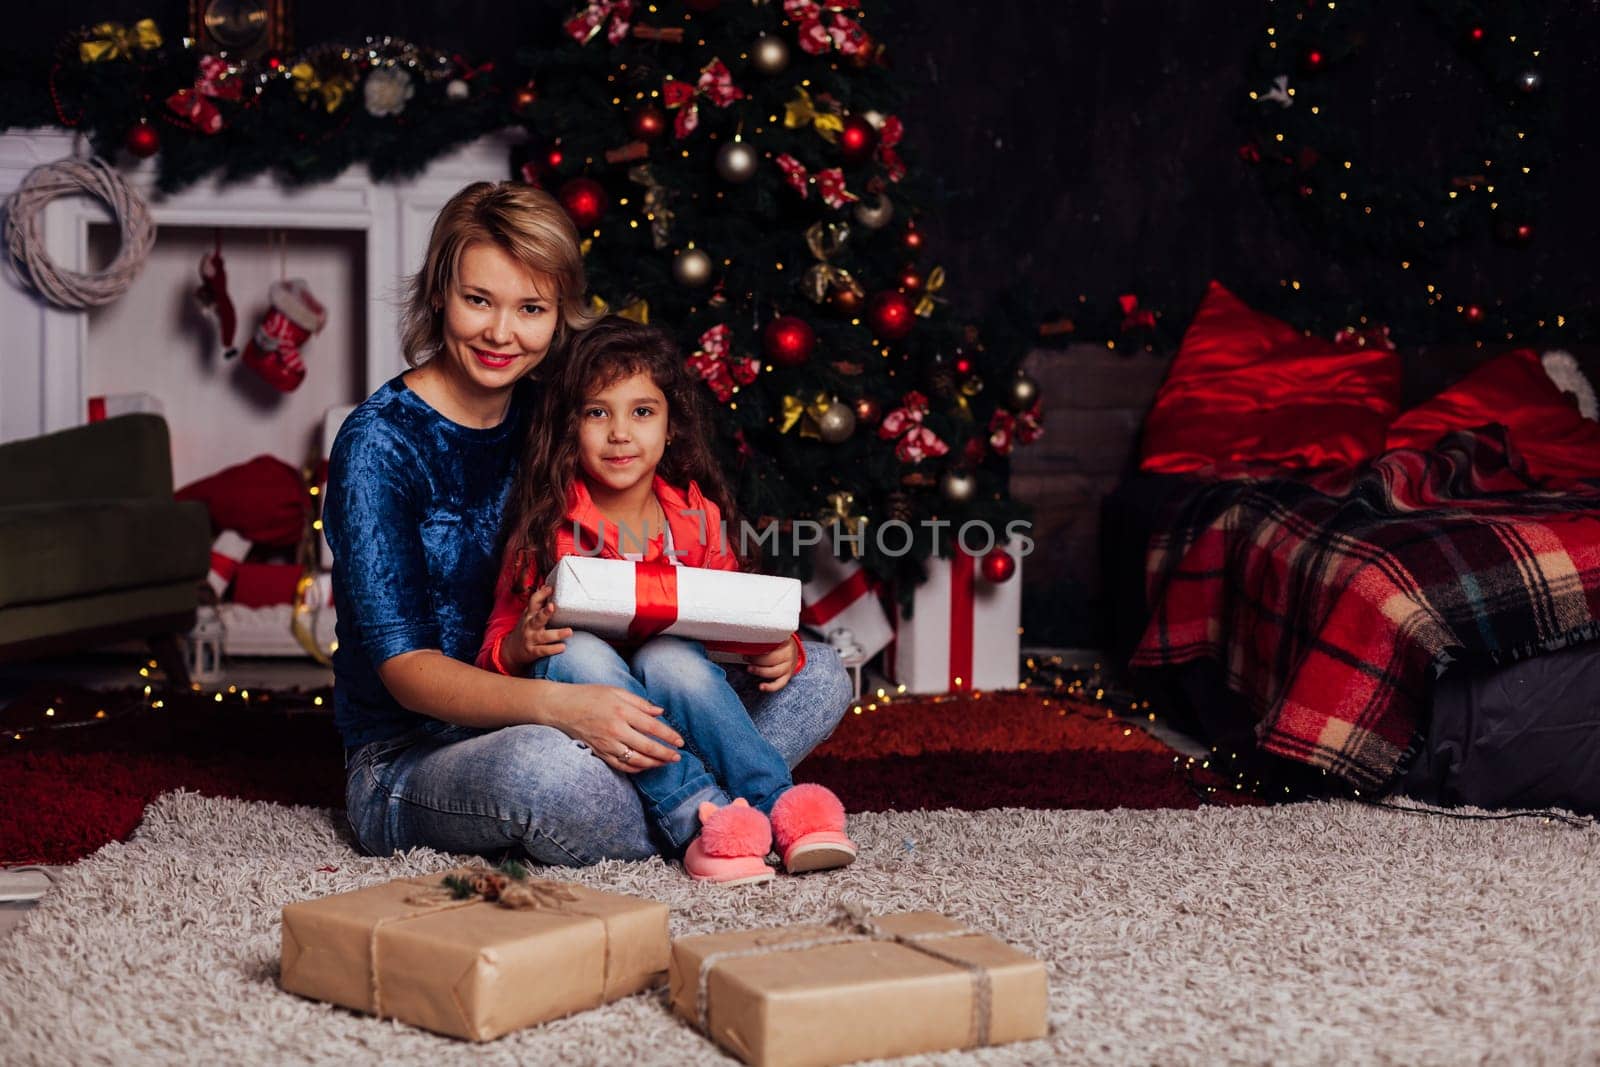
x=42 y=348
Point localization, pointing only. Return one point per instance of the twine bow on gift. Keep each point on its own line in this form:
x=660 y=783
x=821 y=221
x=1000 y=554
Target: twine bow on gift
x=112 y=40
x=825 y=240
x=715 y=84
x=510 y=886
x=855 y=923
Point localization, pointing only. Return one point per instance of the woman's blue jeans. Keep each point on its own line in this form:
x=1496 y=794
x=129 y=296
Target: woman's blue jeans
x=537 y=791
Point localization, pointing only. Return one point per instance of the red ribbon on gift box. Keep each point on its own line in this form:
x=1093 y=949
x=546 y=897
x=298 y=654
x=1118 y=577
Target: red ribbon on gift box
x=961 y=618
x=655 y=607
x=839 y=597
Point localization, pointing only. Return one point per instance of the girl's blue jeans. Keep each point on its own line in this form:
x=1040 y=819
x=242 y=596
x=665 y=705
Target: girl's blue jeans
x=534 y=790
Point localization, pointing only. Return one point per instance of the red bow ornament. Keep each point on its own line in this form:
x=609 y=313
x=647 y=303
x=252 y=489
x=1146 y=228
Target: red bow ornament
x=1135 y=317
x=211 y=83
x=917 y=442
x=827 y=27
x=1006 y=430
x=714 y=363
x=586 y=24
x=715 y=84
x=830 y=182
x=889 y=135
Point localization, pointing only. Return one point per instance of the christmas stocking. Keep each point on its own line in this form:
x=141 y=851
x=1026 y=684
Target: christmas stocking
x=215 y=303
x=274 y=350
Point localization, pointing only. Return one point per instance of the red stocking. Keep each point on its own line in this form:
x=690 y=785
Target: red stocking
x=274 y=350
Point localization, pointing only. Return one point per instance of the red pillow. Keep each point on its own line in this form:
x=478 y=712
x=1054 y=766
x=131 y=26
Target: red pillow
x=1246 y=388
x=1513 y=390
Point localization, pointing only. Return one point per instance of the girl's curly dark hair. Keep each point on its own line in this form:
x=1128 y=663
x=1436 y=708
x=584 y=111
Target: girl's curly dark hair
x=610 y=350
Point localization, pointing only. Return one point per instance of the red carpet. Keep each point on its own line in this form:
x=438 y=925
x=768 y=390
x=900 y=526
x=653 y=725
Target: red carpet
x=66 y=792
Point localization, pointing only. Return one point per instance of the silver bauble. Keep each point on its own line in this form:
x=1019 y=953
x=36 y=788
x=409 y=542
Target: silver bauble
x=874 y=118
x=1021 y=393
x=769 y=55
x=958 y=486
x=875 y=214
x=836 y=423
x=457 y=89
x=691 y=268
x=736 y=162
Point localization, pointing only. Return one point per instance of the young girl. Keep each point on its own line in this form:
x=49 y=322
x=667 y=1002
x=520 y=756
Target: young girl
x=623 y=464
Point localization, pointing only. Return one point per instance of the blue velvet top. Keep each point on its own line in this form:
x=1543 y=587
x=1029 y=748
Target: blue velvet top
x=413 y=516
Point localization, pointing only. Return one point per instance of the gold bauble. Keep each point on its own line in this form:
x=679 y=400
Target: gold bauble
x=1021 y=393
x=769 y=55
x=691 y=268
x=875 y=214
x=958 y=486
x=836 y=423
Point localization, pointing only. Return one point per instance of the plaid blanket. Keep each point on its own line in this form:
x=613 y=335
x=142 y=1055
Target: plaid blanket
x=1332 y=604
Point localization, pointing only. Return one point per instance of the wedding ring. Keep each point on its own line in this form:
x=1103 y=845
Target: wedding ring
x=627 y=754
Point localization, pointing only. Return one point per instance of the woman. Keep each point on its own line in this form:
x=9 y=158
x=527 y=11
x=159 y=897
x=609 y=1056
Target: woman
x=438 y=752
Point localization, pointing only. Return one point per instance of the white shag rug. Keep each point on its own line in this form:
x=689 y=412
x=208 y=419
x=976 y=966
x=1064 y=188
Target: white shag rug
x=1312 y=933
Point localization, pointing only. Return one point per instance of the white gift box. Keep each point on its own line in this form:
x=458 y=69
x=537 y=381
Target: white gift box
x=962 y=632
x=840 y=596
x=731 y=613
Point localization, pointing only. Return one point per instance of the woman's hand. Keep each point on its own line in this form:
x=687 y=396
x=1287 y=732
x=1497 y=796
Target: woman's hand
x=776 y=666
x=533 y=639
x=624 y=730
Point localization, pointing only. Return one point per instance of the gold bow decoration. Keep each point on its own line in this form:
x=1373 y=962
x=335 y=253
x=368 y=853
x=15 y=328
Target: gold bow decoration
x=112 y=40
x=635 y=310
x=928 y=301
x=971 y=387
x=802 y=112
x=656 y=210
x=841 y=512
x=825 y=239
x=804 y=413
x=308 y=83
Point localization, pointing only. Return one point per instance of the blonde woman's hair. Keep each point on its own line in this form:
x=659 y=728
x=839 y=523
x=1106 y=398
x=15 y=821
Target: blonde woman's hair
x=526 y=223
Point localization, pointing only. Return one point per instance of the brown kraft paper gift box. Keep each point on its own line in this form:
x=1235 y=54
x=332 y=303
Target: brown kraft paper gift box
x=472 y=968
x=894 y=985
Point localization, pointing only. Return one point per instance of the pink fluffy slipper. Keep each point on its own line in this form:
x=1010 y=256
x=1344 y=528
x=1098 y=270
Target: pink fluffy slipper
x=808 y=822
x=732 y=847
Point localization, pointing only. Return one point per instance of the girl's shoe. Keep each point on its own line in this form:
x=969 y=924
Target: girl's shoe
x=808 y=822
x=732 y=847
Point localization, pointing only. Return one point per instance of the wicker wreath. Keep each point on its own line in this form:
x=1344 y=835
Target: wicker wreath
x=25 y=232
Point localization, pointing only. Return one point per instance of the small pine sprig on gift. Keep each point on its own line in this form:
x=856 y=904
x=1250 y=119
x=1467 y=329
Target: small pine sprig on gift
x=486 y=882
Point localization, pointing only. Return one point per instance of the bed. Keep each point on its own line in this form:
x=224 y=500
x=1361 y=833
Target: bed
x=1360 y=598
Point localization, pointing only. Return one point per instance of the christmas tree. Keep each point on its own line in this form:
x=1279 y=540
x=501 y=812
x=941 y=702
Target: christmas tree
x=736 y=173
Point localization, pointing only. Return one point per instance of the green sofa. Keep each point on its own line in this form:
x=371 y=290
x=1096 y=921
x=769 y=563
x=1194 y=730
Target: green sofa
x=93 y=547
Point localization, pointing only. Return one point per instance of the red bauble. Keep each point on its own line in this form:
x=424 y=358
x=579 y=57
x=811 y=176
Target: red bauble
x=648 y=123
x=1476 y=34
x=963 y=365
x=868 y=411
x=1473 y=313
x=998 y=566
x=585 y=201
x=143 y=140
x=913 y=240
x=846 y=301
x=553 y=159
x=857 y=140
x=890 y=315
x=911 y=279
x=1314 y=60
x=524 y=99
x=789 y=341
